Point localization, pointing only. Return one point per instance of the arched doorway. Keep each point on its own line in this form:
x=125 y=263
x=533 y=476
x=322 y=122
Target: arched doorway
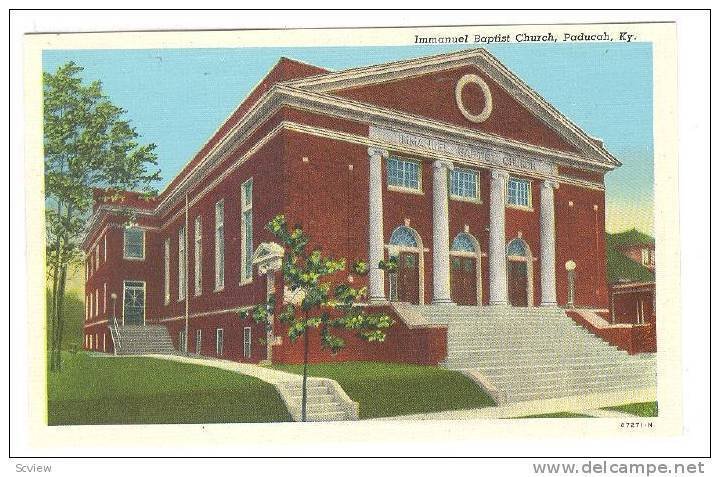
x=519 y=273
x=407 y=284
x=465 y=283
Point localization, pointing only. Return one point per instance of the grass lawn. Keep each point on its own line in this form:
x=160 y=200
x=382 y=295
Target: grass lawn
x=553 y=415
x=135 y=390
x=642 y=409
x=391 y=389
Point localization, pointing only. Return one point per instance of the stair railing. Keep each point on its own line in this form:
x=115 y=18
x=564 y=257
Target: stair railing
x=115 y=334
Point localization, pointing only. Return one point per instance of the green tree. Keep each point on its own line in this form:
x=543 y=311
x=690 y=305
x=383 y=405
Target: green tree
x=87 y=145
x=308 y=277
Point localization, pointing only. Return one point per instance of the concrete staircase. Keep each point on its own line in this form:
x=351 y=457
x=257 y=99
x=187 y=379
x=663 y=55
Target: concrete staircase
x=137 y=339
x=523 y=354
x=326 y=401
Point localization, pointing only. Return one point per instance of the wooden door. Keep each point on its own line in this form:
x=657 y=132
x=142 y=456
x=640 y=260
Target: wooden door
x=408 y=277
x=517 y=283
x=463 y=280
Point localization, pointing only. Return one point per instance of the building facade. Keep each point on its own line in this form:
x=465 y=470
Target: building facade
x=485 y=193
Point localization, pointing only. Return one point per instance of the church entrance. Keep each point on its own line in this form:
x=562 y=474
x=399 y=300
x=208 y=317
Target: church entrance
x=465 y=270
x=519 y=273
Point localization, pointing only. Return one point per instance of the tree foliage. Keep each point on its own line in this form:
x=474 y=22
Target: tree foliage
x=87 y=145
x=314 y=302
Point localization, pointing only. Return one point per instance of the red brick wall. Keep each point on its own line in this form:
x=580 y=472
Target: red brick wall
x=580 y=236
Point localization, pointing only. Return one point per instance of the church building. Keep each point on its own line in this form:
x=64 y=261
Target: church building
x=487 y=195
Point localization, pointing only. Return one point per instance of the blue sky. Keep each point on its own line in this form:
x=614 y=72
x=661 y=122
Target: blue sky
x=176 y=98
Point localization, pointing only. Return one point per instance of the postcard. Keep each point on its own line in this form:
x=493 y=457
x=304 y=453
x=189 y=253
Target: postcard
x=384 y=235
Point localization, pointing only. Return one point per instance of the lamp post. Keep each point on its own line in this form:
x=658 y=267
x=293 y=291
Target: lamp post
x=570 y=267
x=113 y=297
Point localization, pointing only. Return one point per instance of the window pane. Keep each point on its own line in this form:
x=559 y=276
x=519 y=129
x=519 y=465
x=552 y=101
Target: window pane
x=134 y=243
x=403 y=236
x=247 y=221
x=518 y=192
x=463 y=183
x=463 y=243
x=403 y=173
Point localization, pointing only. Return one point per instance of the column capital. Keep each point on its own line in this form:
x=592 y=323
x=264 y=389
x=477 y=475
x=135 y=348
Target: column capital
x=500 y=174
x=440 y=163
x=551 y=184
x=376 y=151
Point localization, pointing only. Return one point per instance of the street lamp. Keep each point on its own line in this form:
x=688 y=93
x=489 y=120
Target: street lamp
x=113 y=297
x=570 y=267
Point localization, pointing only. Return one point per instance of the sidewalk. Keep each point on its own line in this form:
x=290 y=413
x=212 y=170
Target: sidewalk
x=587 y=404
x=333 y=404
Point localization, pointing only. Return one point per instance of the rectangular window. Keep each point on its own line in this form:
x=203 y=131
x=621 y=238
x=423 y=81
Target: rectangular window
x=645 y=256
x=87 y=308
x=518 y=192
x=246 y=232
x=181 y=340
x=97 y=256
x=198 y=255
x=104 y=248
x=198 y=341
x=219 y=341
x=464 y=184
x=97 y=302
x=133 y=302
x=167 y=271
x=247 y=341
x=219 y=245
x=90 y=299
x=105 y=297
x=182 y=264
x=134 y=247
x=404 y=173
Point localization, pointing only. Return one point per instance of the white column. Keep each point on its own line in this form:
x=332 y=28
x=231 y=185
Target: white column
x=376 y=236
x=547 y=243
x=441 y=234
x=497 y=252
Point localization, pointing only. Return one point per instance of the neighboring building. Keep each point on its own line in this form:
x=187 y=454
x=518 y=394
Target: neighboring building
x=486 y=193
x=631 y=275
x=644 y=254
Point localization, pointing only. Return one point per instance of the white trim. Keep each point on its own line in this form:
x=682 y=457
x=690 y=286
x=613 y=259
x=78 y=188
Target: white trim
x=477 y=255
x=247 y=342
x=399 y=187
x=219 y=341
x=420 y=250
x=198 y=256
x=166 y=271
x=462 y=198
x=529 y=206
x=529 y=260
x=245 y=207
x=487 y=109
x=182 y=263
x=198 y=341
x=125 y=230
x=219 y=277
x=144 y=300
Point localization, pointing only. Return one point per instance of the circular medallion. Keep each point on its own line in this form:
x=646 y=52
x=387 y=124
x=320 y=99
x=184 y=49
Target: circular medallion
x=475 y=79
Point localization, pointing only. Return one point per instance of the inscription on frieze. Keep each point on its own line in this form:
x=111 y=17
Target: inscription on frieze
x=483 y=155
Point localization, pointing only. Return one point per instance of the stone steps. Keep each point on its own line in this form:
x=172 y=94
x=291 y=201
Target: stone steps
x=149 y=339
x=322 y=403
x=535 y=353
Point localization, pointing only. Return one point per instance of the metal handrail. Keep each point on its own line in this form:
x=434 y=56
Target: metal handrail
x=117 y=332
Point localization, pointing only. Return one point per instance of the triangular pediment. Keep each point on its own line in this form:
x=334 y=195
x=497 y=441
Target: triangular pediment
x=457 y=89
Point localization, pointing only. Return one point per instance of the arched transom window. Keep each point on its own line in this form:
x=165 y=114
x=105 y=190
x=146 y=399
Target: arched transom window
x=517 y=248
x=403 y=237
x=463 y=243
